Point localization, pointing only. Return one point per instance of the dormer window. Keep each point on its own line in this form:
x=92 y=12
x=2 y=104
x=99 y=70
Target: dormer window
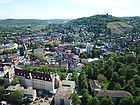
x=24 y=74
x=45 y=78
x=38 y=76
x=21 y=73
x=41 y=77
x=34 y=76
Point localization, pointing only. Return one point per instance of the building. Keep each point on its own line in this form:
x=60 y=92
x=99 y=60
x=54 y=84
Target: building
x=116 y=95
x=37 y=80
x=64 y=93
x=94 y=85
x=29 y=94
x=89 y=61
x=38 y=51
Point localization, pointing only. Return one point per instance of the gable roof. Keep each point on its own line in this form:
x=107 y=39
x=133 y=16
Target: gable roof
x=112 y=93
x=32 y=74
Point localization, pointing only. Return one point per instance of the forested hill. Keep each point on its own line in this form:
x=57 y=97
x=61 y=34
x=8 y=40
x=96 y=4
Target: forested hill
x=97 y=24
x=30 y=22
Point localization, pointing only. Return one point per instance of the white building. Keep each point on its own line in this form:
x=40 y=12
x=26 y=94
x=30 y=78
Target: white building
x=37 y=80
x=63 y=95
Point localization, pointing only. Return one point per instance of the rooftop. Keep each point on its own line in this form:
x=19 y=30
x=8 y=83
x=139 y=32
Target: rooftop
x=113 y=93
x=67 y=83
x=64 y=92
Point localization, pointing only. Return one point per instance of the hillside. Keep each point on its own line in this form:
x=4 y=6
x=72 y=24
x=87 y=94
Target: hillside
x=119 y=27
x=30 y=22
x=93 y=25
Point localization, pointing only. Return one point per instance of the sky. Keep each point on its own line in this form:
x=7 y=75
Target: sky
x=66 y=9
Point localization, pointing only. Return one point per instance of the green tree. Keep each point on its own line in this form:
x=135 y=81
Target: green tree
x=111 y=85
x=75 y=99
x=101 y=78
x=137 y=101
x=122 y=81
x=95 y=101
x=127 y=101
x=62 y=76
x=106 y=101
x=129 y=89
x=15 y=81
x=138 y=68
x=115 y=76
x=137 y=81
x=117 y=86
x=1 y=81
x=137 y=91
x=75 y=77
x=130 y=73
x=16 y=97
x=2 y=93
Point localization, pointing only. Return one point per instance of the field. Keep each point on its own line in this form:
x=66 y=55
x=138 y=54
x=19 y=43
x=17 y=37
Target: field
x=119 y=27
x=36 y=28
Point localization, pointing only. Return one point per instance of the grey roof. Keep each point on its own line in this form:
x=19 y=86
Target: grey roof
x=112 y=93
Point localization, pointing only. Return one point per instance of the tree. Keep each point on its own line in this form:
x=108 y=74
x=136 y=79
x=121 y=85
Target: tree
x=2 y=93
x=86 y=99
x=75 y=77
x=117 y=86
x=115 y=76
x=15 y=81
x=130 y=73
x=106 y=101
x=1 y=81
x=89 y=72
x=138 y=68
x=16 y=97
x=111 y=85
x=137 y=81
x=62 y=76
x=75 y=99
x=89 y=55
x=108 y=73
x=126 y=101
x=128 y=88
x=137 y=91
x=137 y=101
x=131 y=83
x=130 y=58
x=95 y=101
x=89 y=100
x=101 y=78
x=122 y=81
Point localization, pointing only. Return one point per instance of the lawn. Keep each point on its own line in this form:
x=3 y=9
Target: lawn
x=36 y=28
x=105 y=85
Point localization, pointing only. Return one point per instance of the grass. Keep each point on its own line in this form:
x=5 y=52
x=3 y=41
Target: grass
x=36 y=28
x=119 y=27
x=105 y=85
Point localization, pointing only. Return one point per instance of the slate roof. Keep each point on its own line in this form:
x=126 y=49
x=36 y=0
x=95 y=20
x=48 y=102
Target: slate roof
x=32 y=74
x=94 y=84
x=113 y=93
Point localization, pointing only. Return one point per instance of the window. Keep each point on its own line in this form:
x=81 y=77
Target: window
x=61 y=101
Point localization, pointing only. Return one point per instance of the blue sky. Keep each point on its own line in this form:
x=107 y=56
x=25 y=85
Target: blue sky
x=66 y=9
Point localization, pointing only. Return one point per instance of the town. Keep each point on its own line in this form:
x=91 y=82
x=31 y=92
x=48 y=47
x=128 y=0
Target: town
x=71 y=62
